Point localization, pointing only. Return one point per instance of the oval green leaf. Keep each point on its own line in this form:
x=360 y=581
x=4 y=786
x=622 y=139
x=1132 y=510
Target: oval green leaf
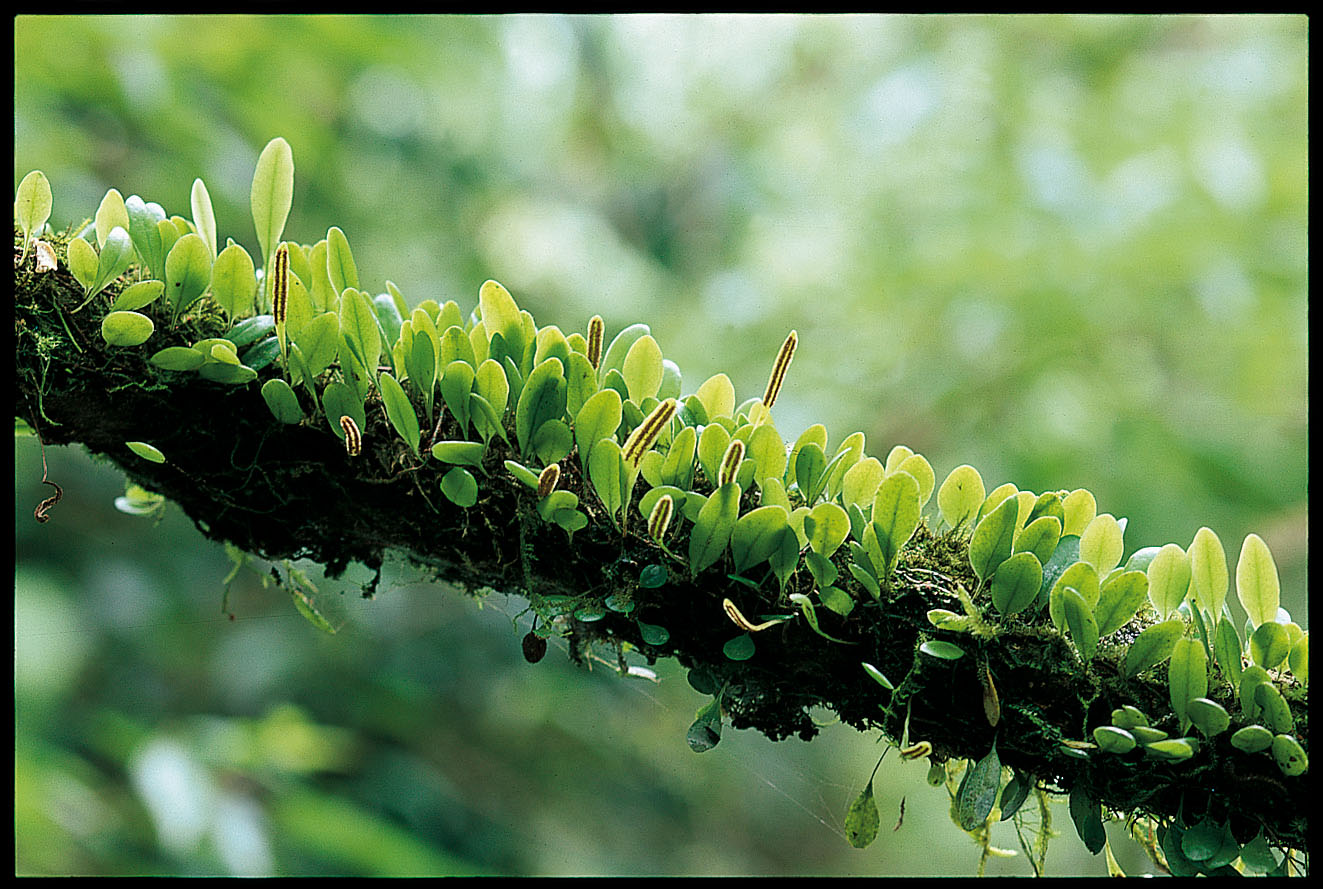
x=1016 y=582
x=282 y=401
x=126 y=328
x=1257 y=584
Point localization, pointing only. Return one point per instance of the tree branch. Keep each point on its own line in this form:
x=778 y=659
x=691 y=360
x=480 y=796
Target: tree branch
x=291 y=491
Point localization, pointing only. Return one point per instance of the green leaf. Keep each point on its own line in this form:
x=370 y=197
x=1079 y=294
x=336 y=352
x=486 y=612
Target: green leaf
x=1298 y=659
x=460 y=487
x=1252 y=739
x=705 y=732
x=830 y=527
x=597 y=420
x=811 y=617
x=1269 y=645
x=32 y=205
x=642 y=369
x=1080 y=576
x=552 y=442
x=187 y=272
x=469 y=453
x=940 y=649
x=810 y=462
x=1210 y=717
x=109 y=214
x=715 y=523
x=126 y=328
x=1227 y=650
x=1113 y=739
x=1275 y=711
x=1119 y=600
x=501 y=316
x=456 y=387
x=614 y=356
x=1079 y=619
x=339 y=400
x=1153 y=646
x=712 y=444
x=860 y=483
x=1257 y=584
x=1208 y=572
x=282 y=401
x=116 y=256
x=204 y=218
x=1102 y=544
x=768 y=452
x=862 y=819
x=895 y=516
x=359 y=325
x=234 y=281
x=272 y=194
x=177 y=358
x=991 y=542
x=1187 y=676
x=1087 y=815
x=1016 y=792
x=303 y=603
x=83 y=264
x=1015 y=583
x=1290 y=757
x=877 y=676
x=756 y=536
x=1040 y=537
x=340 y=267
x=319 y=341
x=399 y=410
x=143 y=221
x=146 y=451
x=740 y=648
x=1168 y=579
x=542 y=399
x=420 y=364
x=136 y=296
x=606 y=470
x=785 y=558
x=492 y=384
x=678 y=466
x=918 y=466
x=978 y=790
x=652 y=634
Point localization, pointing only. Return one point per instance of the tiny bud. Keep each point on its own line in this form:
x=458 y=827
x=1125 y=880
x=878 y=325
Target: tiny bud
x=660 y=519
x=353 y=438
x=730 y=463
x=546 y=482
x=596 y=327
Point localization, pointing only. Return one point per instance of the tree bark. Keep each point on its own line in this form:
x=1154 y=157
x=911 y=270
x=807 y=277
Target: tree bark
x=291 y=491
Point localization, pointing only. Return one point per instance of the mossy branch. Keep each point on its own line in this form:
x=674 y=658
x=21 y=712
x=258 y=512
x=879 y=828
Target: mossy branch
x=291 y=491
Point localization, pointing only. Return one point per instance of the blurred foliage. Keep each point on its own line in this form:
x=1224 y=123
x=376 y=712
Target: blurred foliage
x=1068 y=250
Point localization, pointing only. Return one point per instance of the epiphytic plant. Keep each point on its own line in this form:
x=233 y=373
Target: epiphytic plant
x=1139 y=681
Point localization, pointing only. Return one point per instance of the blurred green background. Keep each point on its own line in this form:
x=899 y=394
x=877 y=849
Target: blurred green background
x=1068 y=250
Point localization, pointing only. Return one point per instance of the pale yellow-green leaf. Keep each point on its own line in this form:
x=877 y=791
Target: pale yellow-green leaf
x=1081 y=508
x=860 y=483
x=1101 y=544
x=1208 y=572
x=1168 y=579
x=1257 y=584
x=960 y=495
x=272 y=194
x=204 y=219
x=1187 y=676
x=718 y=396
x=642 y=369
x=109 y=214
